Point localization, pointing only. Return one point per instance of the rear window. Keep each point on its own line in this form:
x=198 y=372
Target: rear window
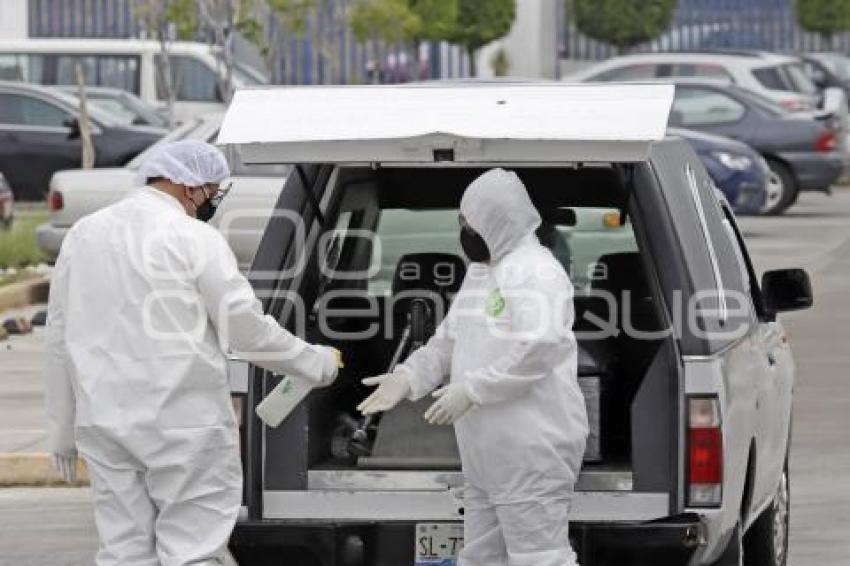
x=702 y=106
x=771 y=78
x=799 y=80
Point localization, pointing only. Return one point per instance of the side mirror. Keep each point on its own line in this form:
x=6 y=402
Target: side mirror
x=786 y=290
x=74 y=126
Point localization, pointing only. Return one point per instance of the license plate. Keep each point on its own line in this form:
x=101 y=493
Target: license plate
x=438 y=544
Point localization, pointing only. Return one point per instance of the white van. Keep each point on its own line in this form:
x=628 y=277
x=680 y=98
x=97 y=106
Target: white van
x=128 y=64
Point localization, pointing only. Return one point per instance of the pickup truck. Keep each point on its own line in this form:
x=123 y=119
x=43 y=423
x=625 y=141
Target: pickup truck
x=242 y=216
x=686 y=369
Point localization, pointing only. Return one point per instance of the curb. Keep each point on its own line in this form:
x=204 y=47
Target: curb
x=24 y=293
x=34 y=470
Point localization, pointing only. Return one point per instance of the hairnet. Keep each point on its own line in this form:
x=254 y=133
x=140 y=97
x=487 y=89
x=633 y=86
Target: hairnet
x=497 y=206
x=188 y=162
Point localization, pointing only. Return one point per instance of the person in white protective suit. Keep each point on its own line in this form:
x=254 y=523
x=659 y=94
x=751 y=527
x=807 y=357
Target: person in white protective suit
x=519 y=415
x=144 y=299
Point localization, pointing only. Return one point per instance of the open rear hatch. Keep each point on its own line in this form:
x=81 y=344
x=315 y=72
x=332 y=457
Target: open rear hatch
x=412 y=471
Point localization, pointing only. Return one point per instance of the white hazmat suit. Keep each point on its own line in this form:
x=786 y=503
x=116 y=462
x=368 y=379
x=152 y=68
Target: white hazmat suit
x=508 y=341
x=142 y=301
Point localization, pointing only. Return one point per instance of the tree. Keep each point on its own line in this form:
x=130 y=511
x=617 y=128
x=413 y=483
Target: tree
x=479 y=22
x=383 y=21
x=437 y=18
x=222 y=18
x=387 y=20
x=825 y=17
x=623 y=23
x=166 y=21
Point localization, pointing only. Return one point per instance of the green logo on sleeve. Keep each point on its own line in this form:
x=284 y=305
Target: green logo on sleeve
x=495 y=304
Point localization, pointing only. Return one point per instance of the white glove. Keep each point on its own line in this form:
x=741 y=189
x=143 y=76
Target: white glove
x=66 y=465
x=392 y=389
x=331 y=362
x=452 y=403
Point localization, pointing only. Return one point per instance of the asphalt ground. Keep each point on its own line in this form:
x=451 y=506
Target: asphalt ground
x=53 y=526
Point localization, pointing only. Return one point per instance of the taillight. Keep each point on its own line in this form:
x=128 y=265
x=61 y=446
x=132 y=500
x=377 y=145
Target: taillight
x=826 y=142
x=55 y=201
x=705 y=452
x=794 y=105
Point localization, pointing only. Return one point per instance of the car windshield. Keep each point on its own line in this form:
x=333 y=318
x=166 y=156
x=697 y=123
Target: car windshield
x=104 y=116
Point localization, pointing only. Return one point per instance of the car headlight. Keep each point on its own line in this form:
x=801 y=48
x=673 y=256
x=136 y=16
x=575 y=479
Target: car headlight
x=734 y=161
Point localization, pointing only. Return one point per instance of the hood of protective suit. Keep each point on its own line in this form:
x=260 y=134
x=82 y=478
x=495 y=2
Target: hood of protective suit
x=497 y=206
x=192 y=163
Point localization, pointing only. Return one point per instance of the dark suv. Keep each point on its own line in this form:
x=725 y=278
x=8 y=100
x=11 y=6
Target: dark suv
x=40 y=134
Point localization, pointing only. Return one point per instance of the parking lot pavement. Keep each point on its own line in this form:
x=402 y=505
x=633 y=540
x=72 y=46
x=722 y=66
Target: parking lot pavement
x=54 y=526
x=46 y=527
x=816 y=235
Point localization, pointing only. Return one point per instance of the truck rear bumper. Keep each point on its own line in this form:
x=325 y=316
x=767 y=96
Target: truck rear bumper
x=669 y=541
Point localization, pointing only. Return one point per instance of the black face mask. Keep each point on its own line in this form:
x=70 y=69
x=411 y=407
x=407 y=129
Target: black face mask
x=474 y=245
x=206 y=209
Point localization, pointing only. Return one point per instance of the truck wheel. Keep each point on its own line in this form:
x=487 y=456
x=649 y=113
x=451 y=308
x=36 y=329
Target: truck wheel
x=766 y=542
x=785 y=184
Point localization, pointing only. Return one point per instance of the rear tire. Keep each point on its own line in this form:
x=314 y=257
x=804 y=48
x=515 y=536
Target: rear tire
x=787 y=187
x=766 y=542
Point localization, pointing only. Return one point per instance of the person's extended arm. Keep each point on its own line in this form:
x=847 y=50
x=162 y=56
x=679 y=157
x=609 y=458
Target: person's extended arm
x=251 y=335
x=60 y=401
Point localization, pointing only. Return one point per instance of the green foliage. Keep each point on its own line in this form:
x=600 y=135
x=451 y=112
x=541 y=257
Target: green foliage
x=387 y=20
x=18 y=245
x=825 y=17
x=158 y=16
x=481 y=21
x=624 y=23
x=437 y=18
x=293 y=14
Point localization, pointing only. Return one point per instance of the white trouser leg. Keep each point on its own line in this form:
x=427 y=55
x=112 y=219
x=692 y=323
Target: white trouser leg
x=536 y=532
x=123 y=512
x=196 y=484
x=483 y=544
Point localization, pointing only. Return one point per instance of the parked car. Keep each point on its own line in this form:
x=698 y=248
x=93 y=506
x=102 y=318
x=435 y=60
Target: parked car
x=40 y=134
x=692 y=425
x=133 y=65
x=828 y=69
x=128 y=108
x=74 y=193
x=778 y=77
x=803 y=149
x=738 y=170
x=7 y=203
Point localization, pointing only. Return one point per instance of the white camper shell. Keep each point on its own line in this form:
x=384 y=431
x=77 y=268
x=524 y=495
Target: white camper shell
x=599 y=168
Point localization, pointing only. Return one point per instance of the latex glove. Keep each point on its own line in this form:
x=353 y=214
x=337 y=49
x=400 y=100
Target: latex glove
x=392 y=389
x=331 y=363
x=66 y=465
x=452 y=403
